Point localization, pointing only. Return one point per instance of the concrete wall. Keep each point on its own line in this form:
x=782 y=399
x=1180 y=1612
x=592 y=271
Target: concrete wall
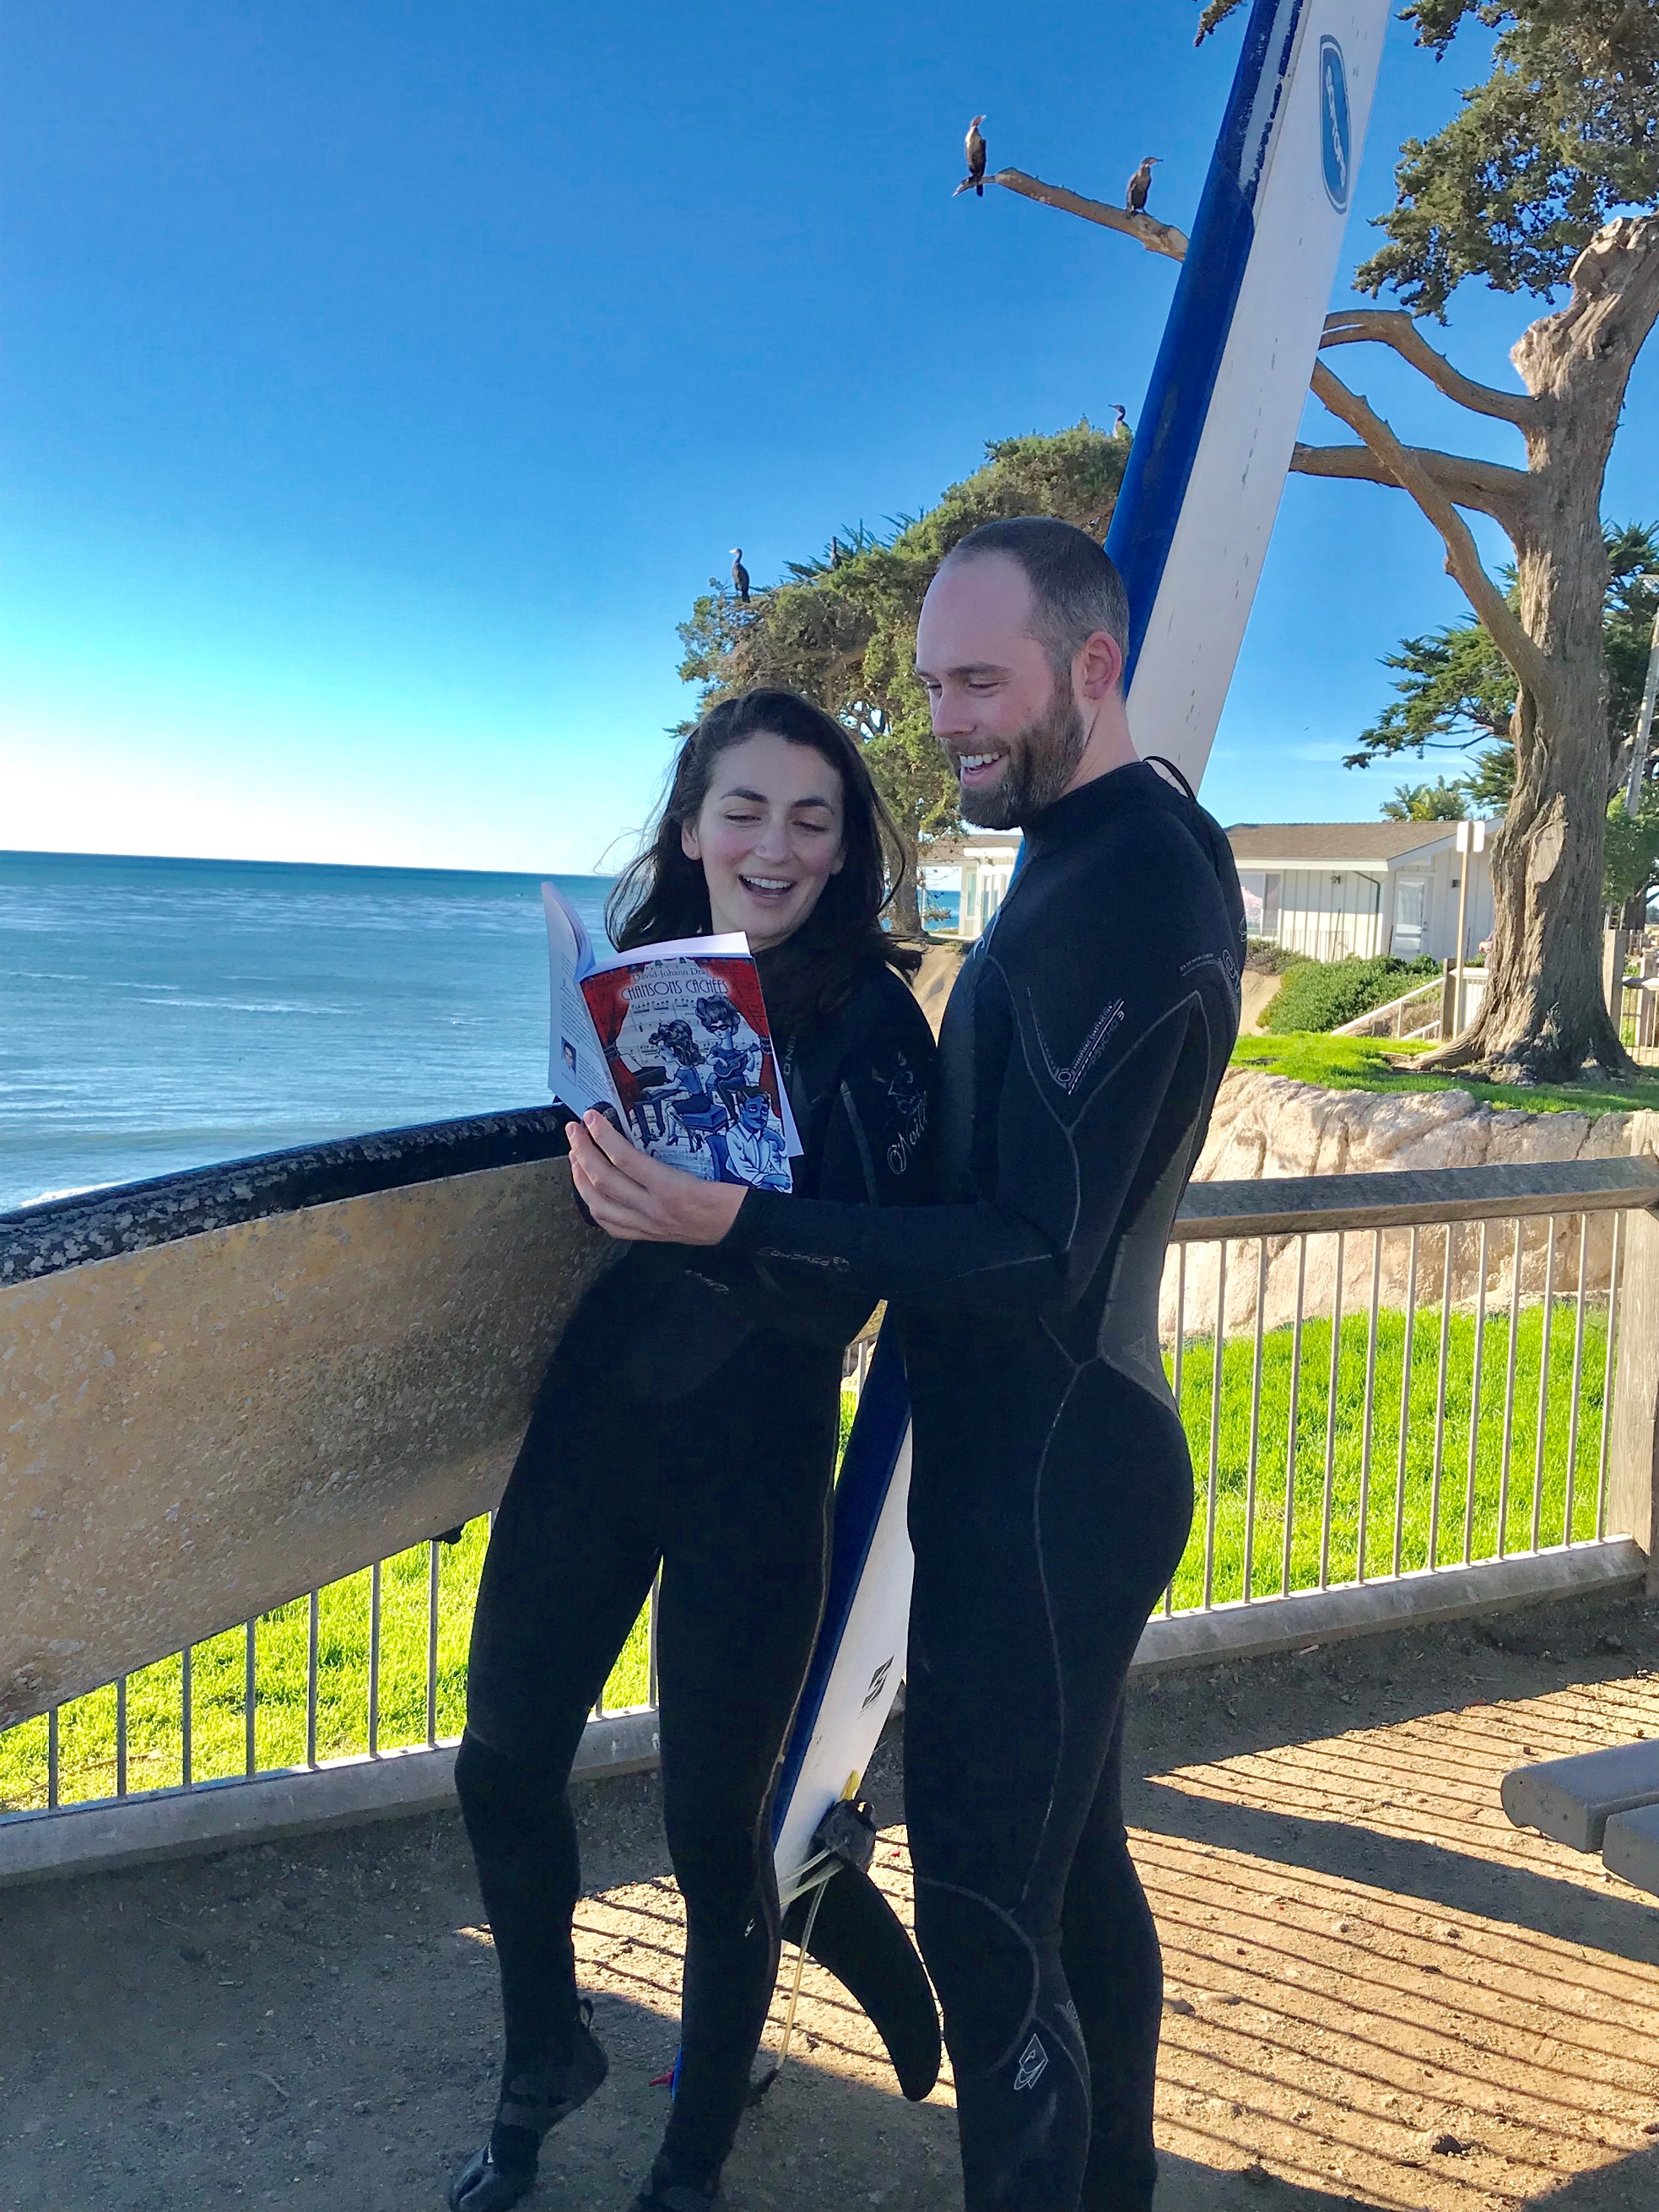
x=1265 y=1125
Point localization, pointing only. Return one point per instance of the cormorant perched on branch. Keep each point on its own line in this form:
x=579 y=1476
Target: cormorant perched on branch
x=739 y=575
x=974 y=144
x=975 y=148
x=1120 y=428
x=1140 y=185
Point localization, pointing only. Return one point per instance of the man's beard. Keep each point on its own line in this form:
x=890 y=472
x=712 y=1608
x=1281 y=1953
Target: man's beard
x=1042 y=758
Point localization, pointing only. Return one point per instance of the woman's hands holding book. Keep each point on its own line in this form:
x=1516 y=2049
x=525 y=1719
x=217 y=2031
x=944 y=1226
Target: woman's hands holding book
x=637 y=1199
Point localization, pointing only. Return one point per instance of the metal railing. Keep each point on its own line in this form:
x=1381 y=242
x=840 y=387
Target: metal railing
x=1416 y=1372
x=1380 y=1376
x=1441 y=1006
x=1636 y=1009
x=1390 y=1018
x=357 y=1668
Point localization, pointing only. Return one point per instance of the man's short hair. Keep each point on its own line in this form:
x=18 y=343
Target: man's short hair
x=1076 y=589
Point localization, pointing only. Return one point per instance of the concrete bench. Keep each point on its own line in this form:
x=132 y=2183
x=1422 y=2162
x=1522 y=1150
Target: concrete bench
x=1631 y=1848
x=1572 y=1800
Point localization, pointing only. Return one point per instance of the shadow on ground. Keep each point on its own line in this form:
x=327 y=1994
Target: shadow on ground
x=1377 y=1993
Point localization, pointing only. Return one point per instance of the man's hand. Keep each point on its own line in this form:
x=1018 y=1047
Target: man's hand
x=637 y=1199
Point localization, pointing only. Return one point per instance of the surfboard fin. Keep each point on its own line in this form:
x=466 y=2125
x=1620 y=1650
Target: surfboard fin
x=856 y=1935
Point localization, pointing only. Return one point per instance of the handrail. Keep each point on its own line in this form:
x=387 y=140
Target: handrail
x=1430 y=988
x=1290 y=1205
x=1469 y=1492
x=1388 y=1007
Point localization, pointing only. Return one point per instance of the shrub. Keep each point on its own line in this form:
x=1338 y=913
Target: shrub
x=1264 y=958
x=1322 y=995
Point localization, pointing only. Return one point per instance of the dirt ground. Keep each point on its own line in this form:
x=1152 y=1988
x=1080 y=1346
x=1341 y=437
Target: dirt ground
x=1378 y=1993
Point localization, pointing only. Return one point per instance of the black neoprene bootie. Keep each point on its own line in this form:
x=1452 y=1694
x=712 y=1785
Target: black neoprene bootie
x=531 y=2106
x=660 y=2194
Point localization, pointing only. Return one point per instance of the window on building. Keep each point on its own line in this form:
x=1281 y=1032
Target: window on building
x=1261 y=891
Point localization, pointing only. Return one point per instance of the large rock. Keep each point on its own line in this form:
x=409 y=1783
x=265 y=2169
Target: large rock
x=1267 y=1126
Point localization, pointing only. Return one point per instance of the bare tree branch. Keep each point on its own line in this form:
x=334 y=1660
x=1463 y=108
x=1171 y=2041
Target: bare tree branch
x=1390 y=326
x=1438 y=482
x=1156 y=237
x=1531 y=666
x=1504 y=494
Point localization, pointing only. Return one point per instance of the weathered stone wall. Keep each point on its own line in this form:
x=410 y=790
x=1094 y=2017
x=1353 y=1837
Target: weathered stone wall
x=1265 y=1125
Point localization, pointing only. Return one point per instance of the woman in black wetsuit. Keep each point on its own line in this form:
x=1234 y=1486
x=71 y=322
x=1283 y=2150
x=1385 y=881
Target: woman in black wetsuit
x=688 y=1420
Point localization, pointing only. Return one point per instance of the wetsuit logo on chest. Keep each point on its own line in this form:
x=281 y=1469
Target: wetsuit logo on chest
x=1033 y=2065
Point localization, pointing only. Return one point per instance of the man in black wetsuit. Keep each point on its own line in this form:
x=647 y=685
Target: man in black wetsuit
x=1051 y=1488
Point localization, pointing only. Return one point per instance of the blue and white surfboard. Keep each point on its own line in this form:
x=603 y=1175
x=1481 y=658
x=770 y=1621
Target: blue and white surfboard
x=1190 y=532
x=1213 y=446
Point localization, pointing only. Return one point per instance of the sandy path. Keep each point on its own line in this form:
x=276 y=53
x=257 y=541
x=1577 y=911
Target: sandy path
x=1363 y=1961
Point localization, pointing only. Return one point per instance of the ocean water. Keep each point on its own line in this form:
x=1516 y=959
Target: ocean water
x=163 y=1014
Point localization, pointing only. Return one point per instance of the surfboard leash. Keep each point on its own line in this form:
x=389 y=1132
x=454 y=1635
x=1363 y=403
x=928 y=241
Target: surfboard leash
x=845 y=1837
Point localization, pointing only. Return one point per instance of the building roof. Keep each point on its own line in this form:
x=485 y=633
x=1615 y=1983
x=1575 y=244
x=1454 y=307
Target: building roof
x=1334 y=844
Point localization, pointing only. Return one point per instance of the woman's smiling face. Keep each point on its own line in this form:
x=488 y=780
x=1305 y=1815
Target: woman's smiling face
x=769 y=835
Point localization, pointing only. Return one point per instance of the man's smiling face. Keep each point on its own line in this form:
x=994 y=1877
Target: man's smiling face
x=1012 y=730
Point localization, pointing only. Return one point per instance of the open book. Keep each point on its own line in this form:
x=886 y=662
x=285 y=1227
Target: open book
x=671 y=1040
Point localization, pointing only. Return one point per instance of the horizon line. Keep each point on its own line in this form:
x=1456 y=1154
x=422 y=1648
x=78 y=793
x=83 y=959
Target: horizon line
x=338 y=867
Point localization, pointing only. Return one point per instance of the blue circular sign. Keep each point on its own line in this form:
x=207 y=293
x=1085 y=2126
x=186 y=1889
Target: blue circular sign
x=1335 y=133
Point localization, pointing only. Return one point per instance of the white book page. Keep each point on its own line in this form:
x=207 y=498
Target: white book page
x=733 y=946
x=573 y=928
x=577 y=1074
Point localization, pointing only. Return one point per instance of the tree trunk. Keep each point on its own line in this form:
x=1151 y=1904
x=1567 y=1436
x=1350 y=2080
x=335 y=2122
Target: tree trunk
x=1543 y=1014
x=907 y=897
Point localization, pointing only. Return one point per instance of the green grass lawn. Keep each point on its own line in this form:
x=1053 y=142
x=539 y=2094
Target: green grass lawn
x=1341 y=1063
x=1371 y=1490
x=1360 y=1496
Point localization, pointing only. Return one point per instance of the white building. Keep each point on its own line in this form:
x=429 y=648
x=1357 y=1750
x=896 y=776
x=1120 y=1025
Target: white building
x=979 y=867
x=1333 y=889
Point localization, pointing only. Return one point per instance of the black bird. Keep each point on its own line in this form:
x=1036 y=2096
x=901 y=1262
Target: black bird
x=1140 y=185
x=739 y=575
x=837 y=556
x=974 y=179
x=1120 y=428
x=975 y=150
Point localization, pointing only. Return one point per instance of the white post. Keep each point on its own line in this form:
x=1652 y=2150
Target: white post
x=1638 y=758
x=1616 y=953
x=1633 y=1456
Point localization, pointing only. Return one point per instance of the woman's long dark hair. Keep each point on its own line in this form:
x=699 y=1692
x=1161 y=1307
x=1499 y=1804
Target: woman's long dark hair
x=664 y=894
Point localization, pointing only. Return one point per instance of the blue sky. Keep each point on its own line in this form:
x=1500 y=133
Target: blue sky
x=381 y=382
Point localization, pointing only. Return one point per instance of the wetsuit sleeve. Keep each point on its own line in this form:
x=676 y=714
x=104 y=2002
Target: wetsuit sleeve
x=1100 y=1022
x=869 y=1146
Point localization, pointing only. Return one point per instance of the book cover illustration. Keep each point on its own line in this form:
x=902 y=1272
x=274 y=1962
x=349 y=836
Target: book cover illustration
x=691 y=1063
x=673 y=1042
